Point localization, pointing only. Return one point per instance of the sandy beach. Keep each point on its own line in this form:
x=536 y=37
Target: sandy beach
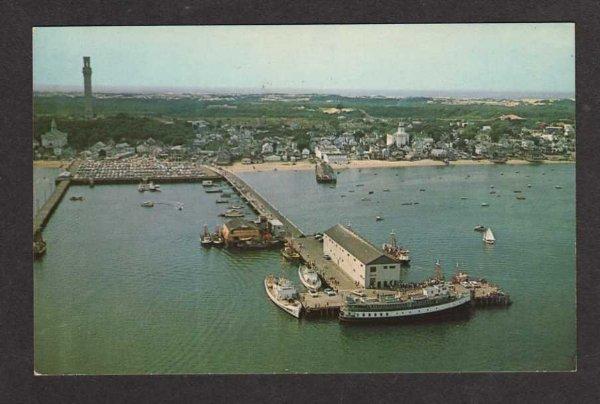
x=51 y=163
x=305 y=165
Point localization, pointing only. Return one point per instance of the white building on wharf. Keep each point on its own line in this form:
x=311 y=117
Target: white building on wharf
x=359 y=259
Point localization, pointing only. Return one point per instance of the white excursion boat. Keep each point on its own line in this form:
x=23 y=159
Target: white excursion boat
x=309 y=278
x=488 y=237
x=283 y=293
x=434 y=301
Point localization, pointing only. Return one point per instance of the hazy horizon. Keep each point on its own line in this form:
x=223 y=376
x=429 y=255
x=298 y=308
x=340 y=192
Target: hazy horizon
x=475 y=94
x=391 y=60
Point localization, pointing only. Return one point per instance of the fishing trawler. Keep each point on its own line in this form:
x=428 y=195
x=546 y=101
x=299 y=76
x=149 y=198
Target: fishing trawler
x=324 y=173
x=400 y=254
x=205 y=238
x=488 y=236
x=284 y=294
x=435 y=300
x=309 y=278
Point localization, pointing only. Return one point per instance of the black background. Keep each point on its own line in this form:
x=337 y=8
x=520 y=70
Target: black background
x=17 y=382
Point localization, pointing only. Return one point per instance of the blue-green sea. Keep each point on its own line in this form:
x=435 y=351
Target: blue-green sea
x=129 y=290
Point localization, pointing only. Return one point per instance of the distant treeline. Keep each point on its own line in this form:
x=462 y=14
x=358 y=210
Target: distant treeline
x=136 y=119
x=252 y=107
x=119 y=128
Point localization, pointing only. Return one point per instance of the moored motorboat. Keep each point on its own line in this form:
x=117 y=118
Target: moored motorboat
x=290 y=254
x=153 y=188
x=309 y=278
x=205 y=238
x=142 y=187
x=283 y=293
x=232 y=213
x=217 y=240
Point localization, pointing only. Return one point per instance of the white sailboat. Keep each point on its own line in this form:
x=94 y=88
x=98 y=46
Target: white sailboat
x=488 y=237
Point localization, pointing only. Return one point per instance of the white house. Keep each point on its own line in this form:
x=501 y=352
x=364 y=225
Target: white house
x=359 y=259
x=54 y=139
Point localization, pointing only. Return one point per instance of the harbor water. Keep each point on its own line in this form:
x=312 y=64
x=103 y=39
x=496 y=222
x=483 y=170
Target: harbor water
x=124 y=289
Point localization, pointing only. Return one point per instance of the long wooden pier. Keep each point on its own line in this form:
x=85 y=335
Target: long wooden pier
x=309 y=248
x=42 y=216
x=258 y=203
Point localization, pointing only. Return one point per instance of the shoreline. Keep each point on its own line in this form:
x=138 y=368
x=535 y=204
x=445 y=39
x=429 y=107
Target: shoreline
x=238 y=167
x=304 y=165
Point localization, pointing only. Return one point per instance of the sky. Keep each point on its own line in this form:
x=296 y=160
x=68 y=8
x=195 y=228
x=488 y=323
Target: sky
x=525 y=58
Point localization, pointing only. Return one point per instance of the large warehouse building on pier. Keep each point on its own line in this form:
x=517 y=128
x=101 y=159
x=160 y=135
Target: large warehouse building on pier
x=362 y=261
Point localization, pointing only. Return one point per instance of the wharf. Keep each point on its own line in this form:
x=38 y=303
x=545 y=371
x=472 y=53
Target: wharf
x=42 y=216
x=321 y=304
x=256 y=201
x=134 y=170
x=485 y=294
x=78 y=180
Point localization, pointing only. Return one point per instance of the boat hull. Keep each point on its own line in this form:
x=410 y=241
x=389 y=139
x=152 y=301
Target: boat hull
x=292 y=310
x=440 y=312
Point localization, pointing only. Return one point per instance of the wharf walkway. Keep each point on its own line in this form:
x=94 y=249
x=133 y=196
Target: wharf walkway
x=258 y=203
x=310 y=249
x=42 y=216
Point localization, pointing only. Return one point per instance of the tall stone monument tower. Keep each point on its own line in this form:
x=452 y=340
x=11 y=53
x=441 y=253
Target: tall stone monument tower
x=87 y=87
